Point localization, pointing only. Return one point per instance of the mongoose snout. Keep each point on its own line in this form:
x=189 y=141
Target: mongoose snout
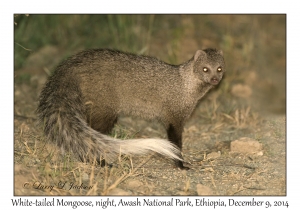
x=214 y=81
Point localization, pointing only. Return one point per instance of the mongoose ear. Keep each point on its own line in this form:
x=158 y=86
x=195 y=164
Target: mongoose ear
x=198 y=54
x=221 y=52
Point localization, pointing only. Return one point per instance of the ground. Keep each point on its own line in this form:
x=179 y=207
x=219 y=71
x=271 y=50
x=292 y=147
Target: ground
x=249 y=102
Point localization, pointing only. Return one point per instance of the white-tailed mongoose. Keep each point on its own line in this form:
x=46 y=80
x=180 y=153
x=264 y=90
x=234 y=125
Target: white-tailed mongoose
x=87 y=92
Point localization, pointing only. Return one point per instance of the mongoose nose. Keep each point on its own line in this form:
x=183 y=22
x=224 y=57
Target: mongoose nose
x=214 y=81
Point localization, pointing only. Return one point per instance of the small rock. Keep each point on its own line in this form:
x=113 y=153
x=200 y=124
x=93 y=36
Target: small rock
x=240 y=90
x=119 y=191
x=213 y=155
x=85 y=177
x=133 y=184
x=260 y=153
x=268 y=134
x=182 y=193
x=246 y=145
x=204 y=190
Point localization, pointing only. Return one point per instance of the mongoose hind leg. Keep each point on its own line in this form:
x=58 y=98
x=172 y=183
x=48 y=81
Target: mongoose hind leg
x=102 y=121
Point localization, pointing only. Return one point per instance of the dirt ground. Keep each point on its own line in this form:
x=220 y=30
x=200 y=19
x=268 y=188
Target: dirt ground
x=247 y=104
x=226 y=174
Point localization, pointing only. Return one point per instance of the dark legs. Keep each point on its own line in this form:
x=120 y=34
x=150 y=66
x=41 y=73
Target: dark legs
x=102 y=122
x=101 y=119
x=104 y=126
x=175 y=136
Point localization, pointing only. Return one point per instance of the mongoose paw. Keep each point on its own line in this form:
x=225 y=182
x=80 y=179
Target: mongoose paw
x=179 y=164
x=184 y=168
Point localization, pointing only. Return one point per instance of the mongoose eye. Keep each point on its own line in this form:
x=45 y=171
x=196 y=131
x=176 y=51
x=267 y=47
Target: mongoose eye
x=219 y=69
x=205 y=69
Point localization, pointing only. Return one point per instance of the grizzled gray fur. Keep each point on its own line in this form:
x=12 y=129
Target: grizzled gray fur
x=82 y=100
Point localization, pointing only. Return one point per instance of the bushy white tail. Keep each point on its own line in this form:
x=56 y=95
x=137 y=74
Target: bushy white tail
x=74 y=135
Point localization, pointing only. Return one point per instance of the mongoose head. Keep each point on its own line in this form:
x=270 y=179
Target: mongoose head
x=209 y=65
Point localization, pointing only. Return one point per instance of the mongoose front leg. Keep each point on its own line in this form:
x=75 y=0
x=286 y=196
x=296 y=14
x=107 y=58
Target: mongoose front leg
x=175 y=136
